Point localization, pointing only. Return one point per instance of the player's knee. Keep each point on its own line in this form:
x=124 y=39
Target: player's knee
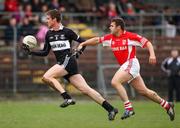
x=45 y=79
x=114 y=82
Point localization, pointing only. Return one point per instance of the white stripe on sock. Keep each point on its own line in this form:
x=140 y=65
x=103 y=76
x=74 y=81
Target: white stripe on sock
x=162 y=102
x=165 y=104
x=126 y=102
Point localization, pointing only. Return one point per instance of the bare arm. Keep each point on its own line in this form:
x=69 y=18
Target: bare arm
x=152 y=57
x=92 y=41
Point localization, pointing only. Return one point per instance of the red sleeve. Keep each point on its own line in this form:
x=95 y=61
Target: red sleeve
x=138 y=40
x=105 y=38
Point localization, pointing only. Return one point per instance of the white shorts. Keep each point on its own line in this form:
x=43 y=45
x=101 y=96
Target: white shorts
x=132 y=67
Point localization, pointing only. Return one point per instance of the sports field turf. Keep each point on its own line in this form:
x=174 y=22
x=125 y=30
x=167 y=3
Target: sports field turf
x=85 y=114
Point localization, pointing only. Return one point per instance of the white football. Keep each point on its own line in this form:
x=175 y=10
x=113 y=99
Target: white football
x=30 y=41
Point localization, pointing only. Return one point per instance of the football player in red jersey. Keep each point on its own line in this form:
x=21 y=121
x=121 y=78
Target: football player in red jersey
x=123 y=45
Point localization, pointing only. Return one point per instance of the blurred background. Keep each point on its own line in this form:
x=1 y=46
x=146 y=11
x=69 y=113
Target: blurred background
x=157 y=20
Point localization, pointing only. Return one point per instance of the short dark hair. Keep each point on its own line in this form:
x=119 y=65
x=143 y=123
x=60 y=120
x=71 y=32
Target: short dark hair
x=54 y=14
x=119 y=22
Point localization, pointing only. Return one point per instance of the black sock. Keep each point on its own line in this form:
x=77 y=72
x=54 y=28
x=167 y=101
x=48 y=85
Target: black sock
x=65 y=95
x=107 y=106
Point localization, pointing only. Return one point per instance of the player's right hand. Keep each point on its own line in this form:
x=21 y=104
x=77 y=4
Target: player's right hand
x=26 y=49
x=152 y=60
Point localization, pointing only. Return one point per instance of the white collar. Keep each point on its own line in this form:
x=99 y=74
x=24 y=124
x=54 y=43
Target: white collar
x=61 y=27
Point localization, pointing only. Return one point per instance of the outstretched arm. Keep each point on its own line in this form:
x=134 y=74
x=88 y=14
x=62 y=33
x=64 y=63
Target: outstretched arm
x=92 y=41
x=152 y=57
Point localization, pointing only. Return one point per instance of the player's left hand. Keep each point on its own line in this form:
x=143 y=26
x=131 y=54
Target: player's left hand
x=152 y=60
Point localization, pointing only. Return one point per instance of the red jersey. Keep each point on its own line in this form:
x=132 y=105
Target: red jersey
x=124 y=46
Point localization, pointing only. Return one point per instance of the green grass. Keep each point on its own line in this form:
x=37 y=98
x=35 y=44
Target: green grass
x=85 y=114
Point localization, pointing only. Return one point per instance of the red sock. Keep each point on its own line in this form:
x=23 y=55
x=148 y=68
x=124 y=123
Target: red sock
x=165 y=104
x=128 y=105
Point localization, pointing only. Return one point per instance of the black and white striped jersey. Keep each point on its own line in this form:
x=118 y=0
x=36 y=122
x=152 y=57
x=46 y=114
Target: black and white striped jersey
x=60 y=42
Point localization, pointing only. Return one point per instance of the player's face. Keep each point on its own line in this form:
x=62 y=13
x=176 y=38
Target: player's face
x=49 y=21
x=113 y=28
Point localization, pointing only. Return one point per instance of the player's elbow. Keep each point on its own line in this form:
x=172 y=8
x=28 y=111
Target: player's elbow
x=46 y=53
x=149 y=44
x=96 y=40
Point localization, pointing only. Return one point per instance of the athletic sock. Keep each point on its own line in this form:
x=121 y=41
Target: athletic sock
x=165 y=104
x=128 y=105
x=107 y=106
x=65 y=95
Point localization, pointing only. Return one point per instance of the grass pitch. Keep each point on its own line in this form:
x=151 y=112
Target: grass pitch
x=85 y=114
